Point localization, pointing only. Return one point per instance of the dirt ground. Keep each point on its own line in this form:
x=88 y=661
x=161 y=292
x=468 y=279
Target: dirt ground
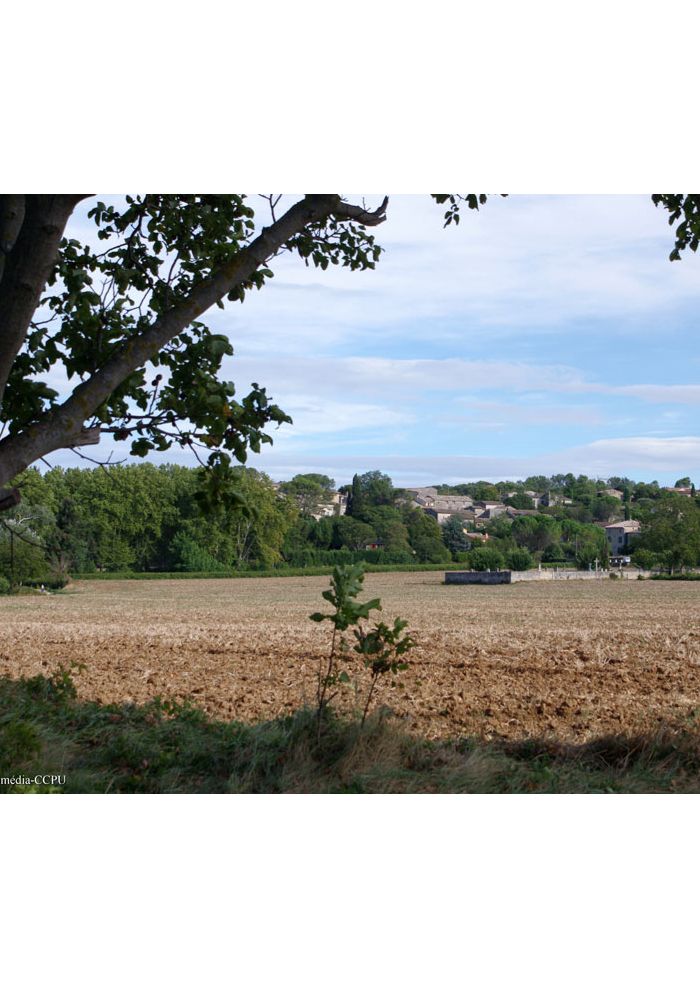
x=571 y=660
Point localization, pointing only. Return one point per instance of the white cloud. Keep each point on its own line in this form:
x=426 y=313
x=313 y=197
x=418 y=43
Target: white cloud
x=662 y=394
x=535 y=262
x=500 y=414
x=312 y=417
x=645 y=452
x=400 y=378
x=638 y=456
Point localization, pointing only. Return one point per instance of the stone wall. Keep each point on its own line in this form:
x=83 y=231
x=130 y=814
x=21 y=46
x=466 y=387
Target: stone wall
x=514 y=576
x=477 y=577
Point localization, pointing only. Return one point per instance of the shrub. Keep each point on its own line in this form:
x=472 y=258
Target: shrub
x=54 y=583
x=644 y=559
x=486 y=558
x=4 y=585
x=190 y=556
x=520 y=559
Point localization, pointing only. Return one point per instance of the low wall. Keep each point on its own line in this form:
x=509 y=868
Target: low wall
x=514 y=576
x=478 y=577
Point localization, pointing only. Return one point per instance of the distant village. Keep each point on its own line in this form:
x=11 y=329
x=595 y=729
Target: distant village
x=476 y=514
x=82 y=521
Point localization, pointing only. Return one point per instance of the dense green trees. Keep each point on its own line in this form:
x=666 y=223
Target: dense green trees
x=520 y=500
x=311 y=491
x=520 y=559
x=425 y=536
x=670 y=536
x=486 y=558
x=22 y=551
x=144 y=517
x=454 y=536
x=528 y=539
x=147 y=518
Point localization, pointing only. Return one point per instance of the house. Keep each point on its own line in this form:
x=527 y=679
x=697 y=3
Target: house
x=619 y=535
x=492 y=513
x=425 y=497
x=489 y=509
x=551 y=498
x=441 y=516
x=686 y=492
x=476 y=537
x=445 y=506
x=613 y=493
x=336 y=506
x=454 y=503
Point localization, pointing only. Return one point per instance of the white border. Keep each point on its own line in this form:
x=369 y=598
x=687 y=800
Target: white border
x=482 y=891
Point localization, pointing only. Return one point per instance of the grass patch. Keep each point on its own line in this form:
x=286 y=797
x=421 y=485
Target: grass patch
x=688 y=575
x=162 y=747
x=321 y=571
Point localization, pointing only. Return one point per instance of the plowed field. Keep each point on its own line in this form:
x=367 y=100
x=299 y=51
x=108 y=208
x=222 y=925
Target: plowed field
x=570 y=660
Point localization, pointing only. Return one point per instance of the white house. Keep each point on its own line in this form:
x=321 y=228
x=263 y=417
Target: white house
x=619 y=535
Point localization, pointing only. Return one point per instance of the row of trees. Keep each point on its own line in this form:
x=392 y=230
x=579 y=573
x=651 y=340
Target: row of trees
x=377 y=515
x=148 y=518
x=670 y=535
x=140 y=517
x=151 y=518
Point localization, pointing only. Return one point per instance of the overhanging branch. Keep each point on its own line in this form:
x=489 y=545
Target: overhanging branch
x=358 y=214
x=62 y=426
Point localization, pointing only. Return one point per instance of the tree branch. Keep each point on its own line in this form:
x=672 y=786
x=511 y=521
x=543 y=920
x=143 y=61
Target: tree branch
x=358 y=214
x=62 y=426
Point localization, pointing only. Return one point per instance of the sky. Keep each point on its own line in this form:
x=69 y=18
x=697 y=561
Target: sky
x=544 y=334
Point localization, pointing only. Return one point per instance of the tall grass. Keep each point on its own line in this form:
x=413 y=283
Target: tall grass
x=162 y=747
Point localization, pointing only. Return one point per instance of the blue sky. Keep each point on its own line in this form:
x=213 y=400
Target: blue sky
x=544 y=334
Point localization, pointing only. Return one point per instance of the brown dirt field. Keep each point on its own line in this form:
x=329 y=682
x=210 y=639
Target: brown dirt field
x=570 y=660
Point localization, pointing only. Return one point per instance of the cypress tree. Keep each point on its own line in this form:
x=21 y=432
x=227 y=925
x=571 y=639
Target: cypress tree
x=356 y=499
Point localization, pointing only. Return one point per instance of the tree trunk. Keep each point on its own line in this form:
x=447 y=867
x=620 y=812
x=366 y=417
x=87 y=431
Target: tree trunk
x=31 y=228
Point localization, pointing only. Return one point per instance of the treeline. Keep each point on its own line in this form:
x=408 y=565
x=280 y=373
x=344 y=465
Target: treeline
x=670 y=535
x=146 y=518
x=378 y=515
x=528 y=540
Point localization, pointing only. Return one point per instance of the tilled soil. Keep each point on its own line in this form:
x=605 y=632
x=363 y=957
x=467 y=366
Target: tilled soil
x=570 y=660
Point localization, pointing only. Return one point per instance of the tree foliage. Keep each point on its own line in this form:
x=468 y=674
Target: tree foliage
x=684 y=210
x=122 y=321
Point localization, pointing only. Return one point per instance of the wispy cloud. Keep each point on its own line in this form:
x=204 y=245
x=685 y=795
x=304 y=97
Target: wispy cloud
x=311 y=418
x=532 y=337
x=648 y=455
x=659 y=394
